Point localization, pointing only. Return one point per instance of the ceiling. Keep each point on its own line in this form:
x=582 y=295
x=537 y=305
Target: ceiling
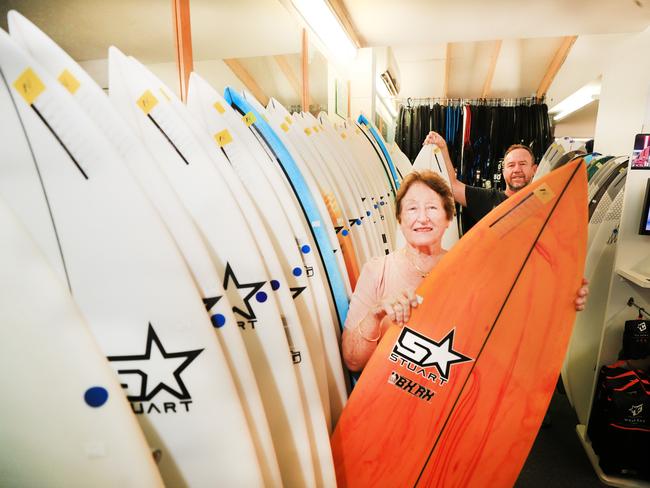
x=433 y=40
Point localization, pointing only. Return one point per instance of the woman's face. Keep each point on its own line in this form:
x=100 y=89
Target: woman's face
x=422 y=218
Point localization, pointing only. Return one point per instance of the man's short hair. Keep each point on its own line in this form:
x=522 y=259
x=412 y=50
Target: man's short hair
x=520 y=146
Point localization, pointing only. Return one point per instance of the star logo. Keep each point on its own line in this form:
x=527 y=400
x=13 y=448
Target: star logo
x=154 y=371
x=244 y=307
x=425 y=352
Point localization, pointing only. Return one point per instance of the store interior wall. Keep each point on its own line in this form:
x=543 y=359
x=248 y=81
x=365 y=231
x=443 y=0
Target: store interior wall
x=624 y=96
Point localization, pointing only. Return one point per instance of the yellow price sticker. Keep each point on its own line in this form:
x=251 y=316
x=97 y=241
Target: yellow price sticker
x=147 y=102
x=29 y=85
x=284 y=126
x=219 y=108
x=68 y=80
x=288 y=119
x=249 y=119
x=343 y=135
x=307 y=131
x=223 y=137
x=544 y=193
x=315 y=128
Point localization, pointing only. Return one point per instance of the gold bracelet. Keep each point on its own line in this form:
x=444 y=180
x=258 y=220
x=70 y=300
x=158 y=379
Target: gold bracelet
x=376 y=339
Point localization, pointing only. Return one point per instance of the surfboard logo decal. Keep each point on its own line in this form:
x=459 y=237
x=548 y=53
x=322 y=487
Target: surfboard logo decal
x=422 y=351
x=245 y=311
x=155 y=371
x=410 y=386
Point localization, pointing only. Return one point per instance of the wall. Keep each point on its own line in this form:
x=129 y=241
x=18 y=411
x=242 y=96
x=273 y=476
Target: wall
x=579 y=124
x=624 y=96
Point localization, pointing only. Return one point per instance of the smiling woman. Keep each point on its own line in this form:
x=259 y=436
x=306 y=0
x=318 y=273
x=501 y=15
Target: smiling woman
x=385 y=292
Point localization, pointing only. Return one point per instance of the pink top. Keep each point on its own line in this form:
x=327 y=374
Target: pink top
x=381 y=278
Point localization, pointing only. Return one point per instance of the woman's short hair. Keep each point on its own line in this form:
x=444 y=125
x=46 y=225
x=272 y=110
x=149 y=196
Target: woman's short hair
x=433 y=181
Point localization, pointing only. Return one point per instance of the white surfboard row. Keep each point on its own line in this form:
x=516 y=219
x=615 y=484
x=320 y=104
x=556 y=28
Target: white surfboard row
x=167 y=239
x=606 y=202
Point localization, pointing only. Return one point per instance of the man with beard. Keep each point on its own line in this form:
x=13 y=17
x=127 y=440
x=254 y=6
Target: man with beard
x=518 y=170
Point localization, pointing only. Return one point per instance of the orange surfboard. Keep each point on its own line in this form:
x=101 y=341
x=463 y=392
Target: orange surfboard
x=455 y=398
x=345 y=241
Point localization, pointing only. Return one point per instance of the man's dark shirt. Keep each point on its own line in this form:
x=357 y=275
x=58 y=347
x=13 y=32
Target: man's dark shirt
x=480 y=201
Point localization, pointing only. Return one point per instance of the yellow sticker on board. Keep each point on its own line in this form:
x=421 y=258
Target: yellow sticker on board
x=68 y=80
x=544 y=193
x=147 y=102
x=288 y=119
x=219 y=107
x=315 y=128
x=343 y=135
x=29 y=86
x=249 y=119
x=307 y=131
x=284 y=126
x=223 y=137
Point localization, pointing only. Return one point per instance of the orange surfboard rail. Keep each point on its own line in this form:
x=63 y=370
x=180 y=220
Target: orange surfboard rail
x=345 y=241
x=455 y=398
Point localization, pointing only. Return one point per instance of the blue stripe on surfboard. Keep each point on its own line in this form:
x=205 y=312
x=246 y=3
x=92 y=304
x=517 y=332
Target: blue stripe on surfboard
x=305 y=198
x=363 y=120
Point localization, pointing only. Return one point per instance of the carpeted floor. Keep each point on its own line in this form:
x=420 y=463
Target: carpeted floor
x=557 y=459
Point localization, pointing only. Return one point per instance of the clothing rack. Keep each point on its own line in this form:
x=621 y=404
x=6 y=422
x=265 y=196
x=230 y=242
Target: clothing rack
x=490 y=102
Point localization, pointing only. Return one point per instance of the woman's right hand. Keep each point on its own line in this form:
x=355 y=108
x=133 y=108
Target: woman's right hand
x=399 y=308
x=435 y=138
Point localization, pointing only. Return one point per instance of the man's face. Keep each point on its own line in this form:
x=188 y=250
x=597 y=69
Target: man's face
x=518 y=170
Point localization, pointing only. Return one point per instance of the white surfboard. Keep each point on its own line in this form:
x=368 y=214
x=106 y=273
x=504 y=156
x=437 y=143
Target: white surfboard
x=125 y=273
x=215 y=211
x=264 y=164
x=95 y=103
x=582 y=353
x=89 y=428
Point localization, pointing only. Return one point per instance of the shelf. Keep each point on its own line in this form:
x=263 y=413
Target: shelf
x=619 y=481
x=641 y=279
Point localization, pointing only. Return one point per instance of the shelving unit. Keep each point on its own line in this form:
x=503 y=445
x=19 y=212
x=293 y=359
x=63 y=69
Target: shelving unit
x=631 y=279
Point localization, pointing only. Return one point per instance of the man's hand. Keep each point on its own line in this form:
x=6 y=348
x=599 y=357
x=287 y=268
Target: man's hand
x=435 y=138
x=581 y=297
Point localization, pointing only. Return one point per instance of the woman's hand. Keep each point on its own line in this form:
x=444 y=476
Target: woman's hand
x=399 y=308
x=581 y=297
x=435 y=138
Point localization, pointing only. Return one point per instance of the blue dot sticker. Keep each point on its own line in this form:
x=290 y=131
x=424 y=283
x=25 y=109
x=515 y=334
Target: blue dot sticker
x=96 y=396
x=376 y=206
x=261 y=296
x=368 y=213
x=345 y=232
x=358 y=222
x=297 y=271
x=305 y=249
x=275 y=285
x=381 y=203
x=218 y=320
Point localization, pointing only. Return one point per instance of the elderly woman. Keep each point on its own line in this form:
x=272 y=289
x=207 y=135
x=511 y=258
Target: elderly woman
x=385 y=291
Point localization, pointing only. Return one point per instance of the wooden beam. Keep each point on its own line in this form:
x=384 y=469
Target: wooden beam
x=248 y=81
x=344 y=17
x=285 y=67
x=487 y=86
x=445 y=86
x=183 y=41
x=305 y=71
x=555 y=65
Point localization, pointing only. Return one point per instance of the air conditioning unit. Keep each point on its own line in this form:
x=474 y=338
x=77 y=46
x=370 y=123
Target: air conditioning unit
x=388 y=70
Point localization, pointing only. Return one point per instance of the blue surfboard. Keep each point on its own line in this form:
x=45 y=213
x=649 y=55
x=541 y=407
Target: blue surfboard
x=304 y=196
x=395 y=179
